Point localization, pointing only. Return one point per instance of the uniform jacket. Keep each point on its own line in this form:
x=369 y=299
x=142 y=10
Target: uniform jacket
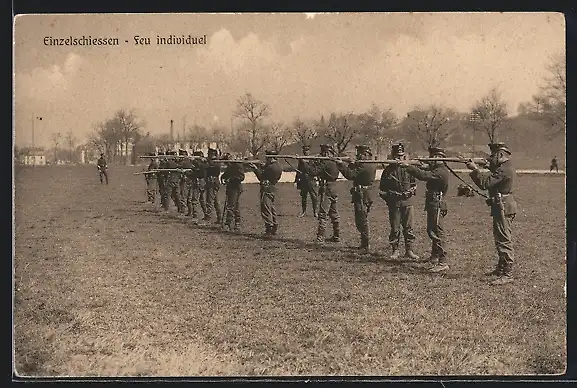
x=398 y=185
x=233 y=175
x=363 y=177
x=303 y=179
x=152 y=166
x=499 y=180
x=213 y=170
x=437 y=179
x=327 y=172
x=269 y=174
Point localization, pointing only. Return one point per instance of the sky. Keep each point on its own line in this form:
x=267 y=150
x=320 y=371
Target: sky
x=301 y=65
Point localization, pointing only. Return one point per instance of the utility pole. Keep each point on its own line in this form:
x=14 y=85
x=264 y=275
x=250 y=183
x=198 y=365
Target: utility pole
x=474 y=118
x=171 y=130
x=183 y=131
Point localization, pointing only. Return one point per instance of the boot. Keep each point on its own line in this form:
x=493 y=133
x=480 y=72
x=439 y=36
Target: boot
x=440 y=266
x=304 y=208
x=336 y=234
x=410 y=254
x=396 y=254
x=365 y=246
x=505 y=277
x=273 y=230
x=498 y=271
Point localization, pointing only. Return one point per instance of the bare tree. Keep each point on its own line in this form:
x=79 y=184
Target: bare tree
x=550 y=104
x=341 y=130
x=278 y=136
x=253 y=111
x=430 y=126
x=376 y=126
x=490 y=114
x=197 y=136
x=303 y=133
x=129 y=128
x=56 y=139
x=71 y=142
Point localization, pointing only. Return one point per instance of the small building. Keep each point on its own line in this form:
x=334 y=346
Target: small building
x=33 y=160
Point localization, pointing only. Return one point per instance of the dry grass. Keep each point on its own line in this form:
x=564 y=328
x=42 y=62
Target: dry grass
x=105 y=285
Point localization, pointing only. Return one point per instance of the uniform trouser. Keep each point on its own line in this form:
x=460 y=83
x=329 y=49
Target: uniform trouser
x=362 y=208
x=104 y=174
x=183 y=193
x=436 y=233
x=232 y=208
x=502 y=233
x=162 y=189
x=401 y=216
x=151 y=189
x=212 y=200
x=267 y=206
x=195 y=195
x=306 y=191
x=174 y=193
x=328 y=209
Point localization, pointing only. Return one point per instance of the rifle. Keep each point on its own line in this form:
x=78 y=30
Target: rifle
x=454 y=160
x=171 y=157
x=238 y=161
x=164 y=170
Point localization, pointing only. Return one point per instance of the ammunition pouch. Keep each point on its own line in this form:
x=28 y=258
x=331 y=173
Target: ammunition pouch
x=503 y=204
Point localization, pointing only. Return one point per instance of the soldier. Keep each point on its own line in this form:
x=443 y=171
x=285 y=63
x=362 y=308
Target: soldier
x=499 y=183
x=327 y=172
x=268 y=176
x=183 y=163
x=102 y=169
x=307 y=185
x=173 y=182
x=151 y=181
x=554 y=165
x=212 y=186
x=163 y=181
x=436 y=175
x=196 y=185
x=232 y=177
x=363 y=177
x=398 y=188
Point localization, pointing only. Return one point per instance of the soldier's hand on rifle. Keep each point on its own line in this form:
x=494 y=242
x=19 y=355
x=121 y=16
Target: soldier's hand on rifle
x=383 y=195
x=403 y=164
x=471 y=165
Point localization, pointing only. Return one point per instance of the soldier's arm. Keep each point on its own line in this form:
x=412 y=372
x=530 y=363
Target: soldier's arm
x=383 y=185
x=423 y=175
x=487 y=180
x=258 y=171
x=349 y=172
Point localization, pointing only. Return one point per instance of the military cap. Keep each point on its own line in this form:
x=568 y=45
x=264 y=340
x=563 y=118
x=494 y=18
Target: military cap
x=328 y=148
x=197 y=153
x=499 y=146
x=437 y=151
x=271 y=153
x=183 y=152
x=364 y=149
x=398 y=149
x=306 y=147
x=226 y=156
x=170 y=153
x=212 y=151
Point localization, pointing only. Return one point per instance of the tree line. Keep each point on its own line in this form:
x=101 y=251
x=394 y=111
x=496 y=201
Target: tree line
x=428 y=126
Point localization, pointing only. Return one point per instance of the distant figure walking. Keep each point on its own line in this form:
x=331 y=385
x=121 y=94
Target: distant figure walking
x=102 y=167
x=554 y=165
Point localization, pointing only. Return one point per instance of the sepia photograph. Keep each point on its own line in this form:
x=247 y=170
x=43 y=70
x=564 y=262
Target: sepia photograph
x=289 y=194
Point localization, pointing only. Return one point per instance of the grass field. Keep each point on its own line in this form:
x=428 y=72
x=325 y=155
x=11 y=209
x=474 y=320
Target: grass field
x=106 y=285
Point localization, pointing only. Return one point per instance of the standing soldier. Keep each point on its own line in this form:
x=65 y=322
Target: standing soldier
x=151 y=181
x=163 y=181
x=232 y=177
x=102 y=168
x=397 y=188
x=306 y=184
x=183 y=162
x=212 y=186
x=363 y=177
x=268 y=176
x=196 y=185
x=554 y=165
x=499 y=183
x=437 y=178
x=327 y=172
x=173 y=182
